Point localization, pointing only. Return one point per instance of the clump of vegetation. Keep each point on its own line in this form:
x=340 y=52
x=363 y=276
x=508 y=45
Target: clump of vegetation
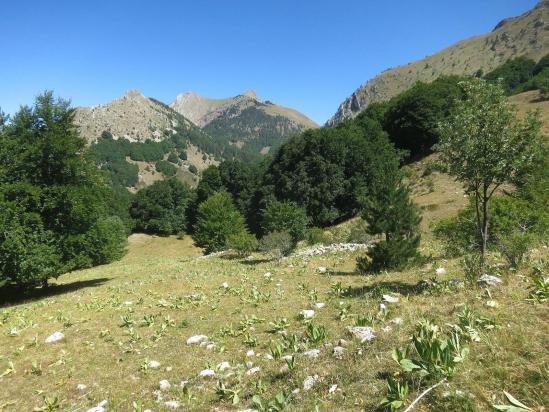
x=162 y=208
x=285 y=217
x=217 y=221
x=54 y=215
x=485 y=145
x=277 y=244
x=244 y=243
x=166 y=168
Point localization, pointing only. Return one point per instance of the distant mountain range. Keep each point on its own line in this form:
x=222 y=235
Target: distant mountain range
x=526 y=35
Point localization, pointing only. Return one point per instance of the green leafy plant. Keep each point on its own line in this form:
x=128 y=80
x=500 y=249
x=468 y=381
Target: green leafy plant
x=397 y=391
x=516 y=405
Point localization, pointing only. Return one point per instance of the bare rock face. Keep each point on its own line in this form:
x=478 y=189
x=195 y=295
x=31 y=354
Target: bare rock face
x=518 y=36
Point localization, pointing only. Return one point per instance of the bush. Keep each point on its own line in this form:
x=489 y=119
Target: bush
x=473 y=267
x=285 y=217
x=359 y=233
x=387 y=254
x=316 y=236
x=166 y=168
x=217 y=220
x=277 y=244
x=183 y=155
x=512 y=73
x=243 y=243
x=193 y=169
x=515 y=246
x=173 y=158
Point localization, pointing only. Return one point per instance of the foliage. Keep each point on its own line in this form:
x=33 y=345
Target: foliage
x=388 y=211
x=325 y=170
x=277 y=244
x=539 y=290
x=166 y=168
x=162 y=207
x=512 y=73
x=315 y=236
x=412 y=118
x=284 y=217
x=243 y=243
x=217 y=220
x=53 y=200
x=485 y=144
x=397 y=392
x=516 y=405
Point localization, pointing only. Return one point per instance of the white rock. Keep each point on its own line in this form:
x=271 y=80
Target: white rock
x=296 y=391
x=183 y=383
x=309 y=382
x=164 y=385
x=223 y=366
x=320 y=305
x=382 y=307
x=153 y=364
x=249 y=365
x=339 y=352
x=321 y=269
x=492 y=304
x=128 y=303
x=268 y=275
x=81 y=387
x=210 y=346
x=250 y=353
x=287 y=357
x=390 y=299
x=332 y=389
x=440 y=271
x=313 y=353
x=386 y=329
x=396 y=321
x=268 y=356
x=99 y=408
x=55 y=337
x=172 y=404
x=197 y=339
x=225 y=285
x=489 y=280
x=362 y=333
x=253 y=371
x=207 y=373
x=307 y=313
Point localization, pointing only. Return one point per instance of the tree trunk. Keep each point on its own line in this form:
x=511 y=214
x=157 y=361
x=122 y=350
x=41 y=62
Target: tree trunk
x=45 y=284
x=485 y=218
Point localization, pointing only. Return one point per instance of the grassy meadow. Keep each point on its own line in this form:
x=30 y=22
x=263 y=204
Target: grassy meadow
x=120 y=318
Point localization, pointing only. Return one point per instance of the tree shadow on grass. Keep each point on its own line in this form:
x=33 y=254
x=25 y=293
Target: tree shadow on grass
x=10 y=295
x=378 y=289
x=256 y=261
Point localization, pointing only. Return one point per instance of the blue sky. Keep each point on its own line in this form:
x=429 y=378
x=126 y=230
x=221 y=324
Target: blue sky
x=309 y=55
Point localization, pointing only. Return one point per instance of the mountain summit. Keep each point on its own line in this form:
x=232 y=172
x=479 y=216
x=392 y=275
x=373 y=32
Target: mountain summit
x=525 y=35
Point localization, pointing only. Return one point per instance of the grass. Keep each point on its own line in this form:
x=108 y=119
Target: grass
x=116 y=318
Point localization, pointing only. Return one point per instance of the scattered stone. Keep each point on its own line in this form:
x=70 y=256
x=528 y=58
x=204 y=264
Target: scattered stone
x=207 y=373
x=339 y=352
x=396 y=321
x=313 y=353
x=197 y=339
x=210 y=346
x=390 y=299
x=382 y=307
x=489 y=280
x=268 y=356
x=183 y=383
x=168 y=369
x=99 y=408
x=342 y=342
x=296 y=391
x=492 y=304
x=81 y=387
x=55 y=337
x=440 y=271
x=172 y=404
x=153 y=364
x=321 y=269
x=268 y=275
x=307 y=313
x=284 y=369
x=287 y=357
x=386 y=329
x=320 y=305
x=128 y=303
x=362 y=333
x=225 y=285
x=253 y=371
x=164 y=385
x=250 y=353
x=310 y=381
x=335 y=247
x=332 y=389
x=223 y=366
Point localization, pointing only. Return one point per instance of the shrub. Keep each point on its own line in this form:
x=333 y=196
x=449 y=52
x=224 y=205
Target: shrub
x=285 y=217
x=387 y=254
x=277 y=244
x=217 y=220
x=183 y=155
x=359 y=233
x=315 y=236
x=193 y=169
x=107 y=240
x=243 y=243
x=512 y=73
x=473 y=267
x=166 y=168
x=173 y=158
x=515 y=246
